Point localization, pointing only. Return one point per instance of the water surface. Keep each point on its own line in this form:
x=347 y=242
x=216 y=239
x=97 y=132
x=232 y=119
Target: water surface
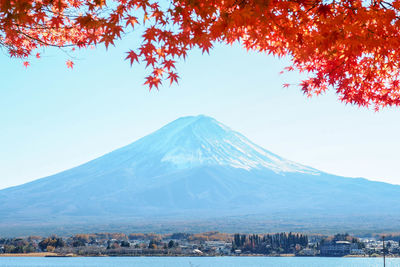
x=197 y=262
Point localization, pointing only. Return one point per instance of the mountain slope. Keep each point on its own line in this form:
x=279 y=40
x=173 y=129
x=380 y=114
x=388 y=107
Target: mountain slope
x=194 y=166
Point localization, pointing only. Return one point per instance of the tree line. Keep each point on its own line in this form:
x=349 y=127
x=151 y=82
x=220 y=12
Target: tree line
x=269 y=243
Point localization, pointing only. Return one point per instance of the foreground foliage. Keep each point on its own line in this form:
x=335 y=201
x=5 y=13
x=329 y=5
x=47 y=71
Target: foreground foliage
x=351 y=45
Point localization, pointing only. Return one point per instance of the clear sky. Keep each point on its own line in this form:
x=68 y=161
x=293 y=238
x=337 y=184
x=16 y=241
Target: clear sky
x=53 y=118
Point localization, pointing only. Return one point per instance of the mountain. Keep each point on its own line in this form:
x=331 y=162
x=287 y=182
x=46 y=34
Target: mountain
x=195 y=170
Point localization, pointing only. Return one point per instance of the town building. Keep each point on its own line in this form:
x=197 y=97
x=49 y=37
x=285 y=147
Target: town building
x=337 y=248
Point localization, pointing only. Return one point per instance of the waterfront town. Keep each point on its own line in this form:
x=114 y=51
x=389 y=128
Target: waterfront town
x=203 y=244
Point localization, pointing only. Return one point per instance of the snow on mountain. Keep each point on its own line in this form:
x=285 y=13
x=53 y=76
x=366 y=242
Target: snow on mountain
x=200 y=140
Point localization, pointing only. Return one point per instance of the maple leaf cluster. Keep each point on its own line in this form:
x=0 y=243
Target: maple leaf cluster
x=351 y=46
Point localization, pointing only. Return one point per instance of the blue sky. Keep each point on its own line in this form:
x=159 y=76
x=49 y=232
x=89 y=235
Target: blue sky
x=53 y=118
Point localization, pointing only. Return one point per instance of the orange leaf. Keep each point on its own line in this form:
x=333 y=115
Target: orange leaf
x=70 y=64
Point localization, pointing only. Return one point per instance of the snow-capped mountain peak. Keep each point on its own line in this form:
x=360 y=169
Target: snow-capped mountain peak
x=200 y=140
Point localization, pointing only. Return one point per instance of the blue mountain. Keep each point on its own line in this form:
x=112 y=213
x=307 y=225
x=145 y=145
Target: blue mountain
x=193 y=169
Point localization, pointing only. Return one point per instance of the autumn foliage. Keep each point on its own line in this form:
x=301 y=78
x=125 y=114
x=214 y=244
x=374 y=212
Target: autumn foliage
x=350 y=46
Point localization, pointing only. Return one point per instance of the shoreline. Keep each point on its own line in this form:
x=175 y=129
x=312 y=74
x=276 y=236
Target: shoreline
x=34 y=254
x=55 y=255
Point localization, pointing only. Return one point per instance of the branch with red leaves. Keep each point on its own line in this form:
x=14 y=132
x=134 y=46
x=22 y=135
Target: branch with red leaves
x=352 y=47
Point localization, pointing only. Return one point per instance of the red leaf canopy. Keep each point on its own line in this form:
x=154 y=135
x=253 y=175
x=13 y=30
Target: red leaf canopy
x=350 y=46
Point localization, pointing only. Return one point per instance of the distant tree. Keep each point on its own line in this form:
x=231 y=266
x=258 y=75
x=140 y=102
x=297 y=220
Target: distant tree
x=9 y=249
x=125 y=244
x=52 y=241
x=115 y=245
x=112 y=245
x=136 y=236
x=266 y=244
x=153 y=244
x=237 y=241
x=154 y=236
x=242 y=239
x=78 y=243
x=29 y=249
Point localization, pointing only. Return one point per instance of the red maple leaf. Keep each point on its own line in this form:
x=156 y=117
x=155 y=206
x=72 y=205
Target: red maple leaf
x=132 y=56
x=168 y=64
x=173 y=78
x=70 y=64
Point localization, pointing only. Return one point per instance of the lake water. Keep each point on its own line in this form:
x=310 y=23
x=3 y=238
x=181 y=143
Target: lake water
x=199 y=262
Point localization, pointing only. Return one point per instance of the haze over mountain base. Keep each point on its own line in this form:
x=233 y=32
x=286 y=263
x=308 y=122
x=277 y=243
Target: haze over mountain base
x=231 y=224
x=196 y=174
